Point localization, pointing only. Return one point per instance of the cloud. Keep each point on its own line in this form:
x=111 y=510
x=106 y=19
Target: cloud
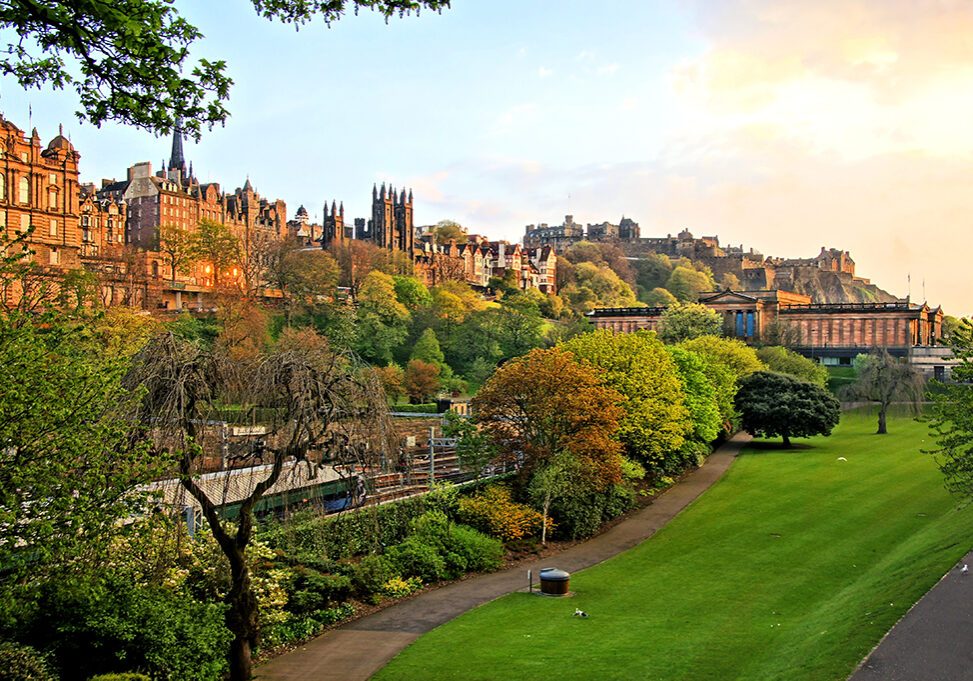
x=608 y=69
x=511 y=118
x=544 y=72
x=853 y=77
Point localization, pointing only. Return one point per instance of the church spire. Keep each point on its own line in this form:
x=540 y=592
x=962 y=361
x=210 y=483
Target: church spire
x=176 y=159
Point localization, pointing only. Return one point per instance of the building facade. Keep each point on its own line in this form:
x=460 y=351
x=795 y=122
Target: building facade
x=832 y=333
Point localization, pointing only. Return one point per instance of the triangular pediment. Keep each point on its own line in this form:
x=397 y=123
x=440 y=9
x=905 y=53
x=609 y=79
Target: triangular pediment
x=728 y=296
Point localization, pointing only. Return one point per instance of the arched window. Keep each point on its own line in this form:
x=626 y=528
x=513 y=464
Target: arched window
x=3 y=187
x=24 y=190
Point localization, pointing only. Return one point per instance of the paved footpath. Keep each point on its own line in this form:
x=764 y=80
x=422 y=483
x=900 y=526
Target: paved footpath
x=357 y=650
x=933 y=641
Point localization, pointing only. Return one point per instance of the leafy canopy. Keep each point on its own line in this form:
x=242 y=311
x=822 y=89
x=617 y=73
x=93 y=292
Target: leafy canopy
x=777 y=404
x=546 y=405
x=786 y=361
x=129 y=60
x=685 y=321
x=637 y=365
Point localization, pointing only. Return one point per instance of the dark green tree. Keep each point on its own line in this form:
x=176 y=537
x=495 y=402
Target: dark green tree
x=773 y=404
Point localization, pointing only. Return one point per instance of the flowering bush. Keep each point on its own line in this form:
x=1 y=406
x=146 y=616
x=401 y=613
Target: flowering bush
x=494 y=511
x=399 y=588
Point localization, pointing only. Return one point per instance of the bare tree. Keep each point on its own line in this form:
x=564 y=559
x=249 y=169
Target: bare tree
x=311 y=398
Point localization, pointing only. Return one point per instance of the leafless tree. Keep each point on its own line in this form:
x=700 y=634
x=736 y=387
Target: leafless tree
x=311 y=399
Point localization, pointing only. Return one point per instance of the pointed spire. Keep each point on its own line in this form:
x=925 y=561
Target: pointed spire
x=374 y=191
x=382 y=194
x=342 y=209
x=191 y=169
x=60 y=129
x=326 y=210
x=334 y=209
x=410 y=197
x=247 y=187
x=176 y=159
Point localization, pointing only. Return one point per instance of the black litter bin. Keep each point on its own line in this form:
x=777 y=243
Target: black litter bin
x=554 y=582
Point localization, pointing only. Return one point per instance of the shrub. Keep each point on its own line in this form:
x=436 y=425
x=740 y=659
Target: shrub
x=302 y=627
x=417 y=558
x=482 y=553
x=583 y=515
x=324 y=539
x=309 y=590
x=423 y=408
x=94 y=628
x=494 y=512
x=121 y=676
x=439 y=549
x=23 y=663
x=370 y=574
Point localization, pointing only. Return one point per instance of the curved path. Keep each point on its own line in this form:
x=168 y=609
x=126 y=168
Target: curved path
x=360 y=648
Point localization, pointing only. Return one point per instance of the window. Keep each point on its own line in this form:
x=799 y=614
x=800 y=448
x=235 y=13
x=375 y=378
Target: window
x=52 y=198
x=53 y=229
x=24 y=190
x=3 y=187
x=55 y=257
x=3 y=219
x=24 y=222
x=52 y=178
x=24 y=157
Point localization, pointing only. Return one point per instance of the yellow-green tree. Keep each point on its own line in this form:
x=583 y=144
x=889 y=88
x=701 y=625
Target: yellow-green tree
x=728 y=361
x=656 y=422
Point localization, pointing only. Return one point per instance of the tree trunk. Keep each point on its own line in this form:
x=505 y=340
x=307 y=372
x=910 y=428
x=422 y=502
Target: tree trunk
x=882 y=430
x=547 y=505
x=241 y=620
x=787 y=441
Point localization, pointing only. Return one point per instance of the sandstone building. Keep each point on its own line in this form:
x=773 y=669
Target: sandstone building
x=832 y=333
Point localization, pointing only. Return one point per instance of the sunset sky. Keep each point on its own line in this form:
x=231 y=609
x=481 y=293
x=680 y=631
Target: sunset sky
x=783 y=126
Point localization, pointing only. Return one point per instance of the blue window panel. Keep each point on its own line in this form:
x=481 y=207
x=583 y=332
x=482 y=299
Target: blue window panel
x=740 y=324
x=749 y=323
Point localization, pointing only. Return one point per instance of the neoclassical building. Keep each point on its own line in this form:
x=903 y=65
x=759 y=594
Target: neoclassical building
x=832 y=333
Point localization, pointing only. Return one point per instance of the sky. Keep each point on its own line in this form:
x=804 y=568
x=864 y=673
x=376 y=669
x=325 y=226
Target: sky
x=780 y=125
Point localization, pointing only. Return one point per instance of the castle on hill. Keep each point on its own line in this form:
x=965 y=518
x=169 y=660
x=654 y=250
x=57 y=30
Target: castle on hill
x=827 y=277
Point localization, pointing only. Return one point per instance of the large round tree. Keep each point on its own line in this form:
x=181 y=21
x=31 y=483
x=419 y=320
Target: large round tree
x=772 y=404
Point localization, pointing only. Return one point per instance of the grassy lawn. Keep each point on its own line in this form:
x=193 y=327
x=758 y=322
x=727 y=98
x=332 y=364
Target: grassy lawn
x=791 y=567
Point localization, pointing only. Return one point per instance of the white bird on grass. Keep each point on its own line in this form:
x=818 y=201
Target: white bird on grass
x=580 y=613
x=841 y=458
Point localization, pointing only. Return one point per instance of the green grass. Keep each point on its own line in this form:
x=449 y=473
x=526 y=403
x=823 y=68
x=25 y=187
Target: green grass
x=791 y=567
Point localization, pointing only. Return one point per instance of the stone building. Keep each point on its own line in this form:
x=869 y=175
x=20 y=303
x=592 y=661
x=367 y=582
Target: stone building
x=173 y=198
x=73 y=228
x=392 y=227
x=832 y=333
x=39 y=190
